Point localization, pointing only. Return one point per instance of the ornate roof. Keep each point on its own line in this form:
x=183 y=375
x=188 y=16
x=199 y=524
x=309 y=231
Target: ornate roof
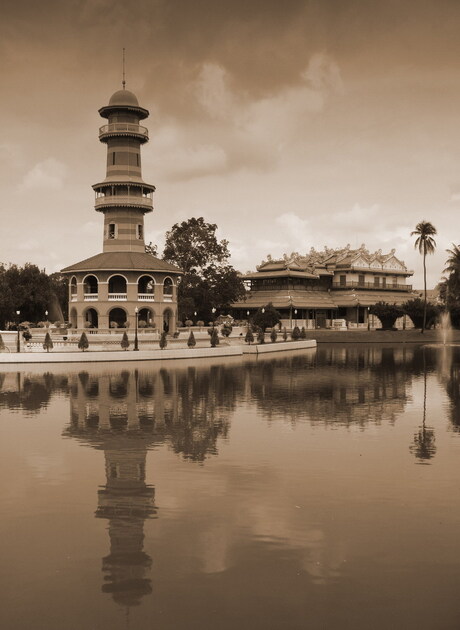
x=123 y=261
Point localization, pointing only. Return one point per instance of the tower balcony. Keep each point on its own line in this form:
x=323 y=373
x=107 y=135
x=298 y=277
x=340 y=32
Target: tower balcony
x=127 y=201
x=123 y=129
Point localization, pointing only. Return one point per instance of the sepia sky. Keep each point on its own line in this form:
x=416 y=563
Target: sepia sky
x=290 y=124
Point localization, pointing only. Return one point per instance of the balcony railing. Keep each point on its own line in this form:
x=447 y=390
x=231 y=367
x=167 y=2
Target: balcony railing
x=389 y=286
x=90 y=297
x=124 y=129
x=167 y=298
x=123 y=200
x=145 y=297
x=118 y=297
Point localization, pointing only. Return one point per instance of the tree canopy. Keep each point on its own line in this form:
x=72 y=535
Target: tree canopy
x=209 y=281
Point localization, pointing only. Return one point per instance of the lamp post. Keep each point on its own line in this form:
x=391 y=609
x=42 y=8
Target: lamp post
x=295 y=317
x=136 y=341
x=213 y=311
x=18 y=341
x=368 y=318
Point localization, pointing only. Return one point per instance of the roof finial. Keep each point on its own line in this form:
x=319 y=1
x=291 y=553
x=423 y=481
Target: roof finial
x=124 y=81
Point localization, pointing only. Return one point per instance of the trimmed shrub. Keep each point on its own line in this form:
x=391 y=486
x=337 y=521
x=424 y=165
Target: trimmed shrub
x=83 y=343
x=226 y=330
x=26 y=335
x=163 y=340
x=112 y=324
x=124 y=341
x=273 y=335
x=191 y=341
x=188 y=323
x=48 y=343
x=261 y=336
x=387 y=313
x=200 y=323
x=295 y=334
x=214 y=338
x=249 y=336
x=2 y=344
x=285 y=335
x=142 y=323
x=303 y=333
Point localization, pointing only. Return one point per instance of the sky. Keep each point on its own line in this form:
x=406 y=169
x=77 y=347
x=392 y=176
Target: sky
x=290 y=125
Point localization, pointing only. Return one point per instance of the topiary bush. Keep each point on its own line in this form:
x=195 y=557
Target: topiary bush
x=163 y=340
x=303 y=333
x=214 y=338
x=273 y=335
x=124 y=341
x=295 y=334
x=83 y=343
x=285 y=335
x=48 y=343
x=249 y=338
x=142 y=323
x=191 y=341
x=261 y=336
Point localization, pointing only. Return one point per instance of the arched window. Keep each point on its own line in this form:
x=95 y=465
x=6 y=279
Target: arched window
x=90 y=285
x=117 y=288
x=167 y=287
x=146 y=286
x=73 y=289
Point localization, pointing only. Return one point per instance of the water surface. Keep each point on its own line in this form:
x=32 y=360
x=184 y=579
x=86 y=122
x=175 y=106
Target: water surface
x=316 y=490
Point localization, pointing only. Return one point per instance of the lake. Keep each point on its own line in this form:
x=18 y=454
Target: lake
x=316 y=489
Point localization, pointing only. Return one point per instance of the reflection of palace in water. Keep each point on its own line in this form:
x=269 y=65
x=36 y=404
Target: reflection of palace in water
x=127 y=413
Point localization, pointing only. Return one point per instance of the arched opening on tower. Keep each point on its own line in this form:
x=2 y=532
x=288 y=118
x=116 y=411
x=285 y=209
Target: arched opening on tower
x=73 y=288
x=167 y=320
x=146 y=287
x=117 y=318
x=91 y=318
x=73 y=317
x=146 y=318
x=117 y=287
x=90 y=286
x=167 y=288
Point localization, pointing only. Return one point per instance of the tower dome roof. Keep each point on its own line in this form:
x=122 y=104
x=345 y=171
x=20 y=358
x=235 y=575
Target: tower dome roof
x=124 y=97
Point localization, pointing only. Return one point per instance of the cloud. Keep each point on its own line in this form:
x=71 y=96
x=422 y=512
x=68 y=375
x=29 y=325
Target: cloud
x=231 y=131
x=47 y=175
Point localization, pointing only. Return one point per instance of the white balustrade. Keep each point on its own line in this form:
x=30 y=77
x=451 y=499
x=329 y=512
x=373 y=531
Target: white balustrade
x=145 y=297
x=118 y=297
x=91 y=297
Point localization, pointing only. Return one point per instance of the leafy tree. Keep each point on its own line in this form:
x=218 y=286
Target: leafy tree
x=209 y=280
x=273 y=335
x=83 y=343
x=191 y=341
x=425 y=244
x=415 y=309
x=249 y=338
x=163 y=341
x=295 y=335
x=268 y=318
x=124 y=341
x=214 y=337
x=48 y=343
x=387 y=313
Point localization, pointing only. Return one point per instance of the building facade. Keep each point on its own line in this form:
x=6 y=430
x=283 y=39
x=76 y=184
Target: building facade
x=330 y=288
x=122 y=283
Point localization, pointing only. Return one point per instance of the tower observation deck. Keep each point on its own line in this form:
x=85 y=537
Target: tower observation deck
x=123 y=196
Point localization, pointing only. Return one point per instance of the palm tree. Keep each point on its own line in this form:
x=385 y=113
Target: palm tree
x=425 y=243
x=452 y=282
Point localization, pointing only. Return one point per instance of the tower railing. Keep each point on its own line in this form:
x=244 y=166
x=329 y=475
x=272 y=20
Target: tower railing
x=123 y=200
x=124 y=128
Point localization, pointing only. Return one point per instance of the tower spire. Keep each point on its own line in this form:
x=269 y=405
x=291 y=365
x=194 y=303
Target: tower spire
x=123 y=83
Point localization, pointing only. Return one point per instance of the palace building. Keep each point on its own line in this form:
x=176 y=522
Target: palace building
x=113 y=288
x=323 y=288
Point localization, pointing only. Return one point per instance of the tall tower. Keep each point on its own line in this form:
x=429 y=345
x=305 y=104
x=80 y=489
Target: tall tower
x=123 y=284
x=123 y=197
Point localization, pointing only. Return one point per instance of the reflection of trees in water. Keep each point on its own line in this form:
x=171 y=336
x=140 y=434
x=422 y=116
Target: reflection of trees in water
x=343 y=385
x=30 y=392
x=449 y=375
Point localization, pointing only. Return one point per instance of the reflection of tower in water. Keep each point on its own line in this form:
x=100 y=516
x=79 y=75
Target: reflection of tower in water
x=109 y=414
